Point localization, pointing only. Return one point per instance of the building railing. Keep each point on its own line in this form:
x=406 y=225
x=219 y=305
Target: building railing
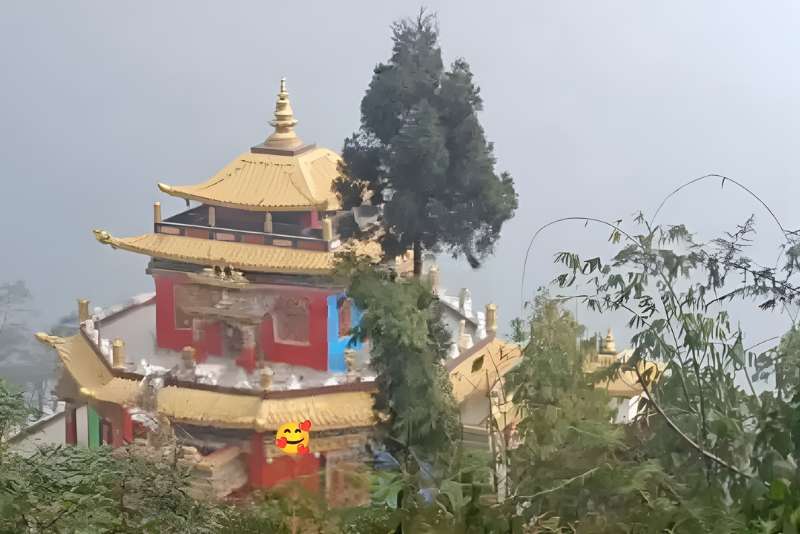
x=241 y=236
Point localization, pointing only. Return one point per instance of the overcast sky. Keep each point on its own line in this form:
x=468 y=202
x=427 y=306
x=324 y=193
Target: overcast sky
x=597 y=108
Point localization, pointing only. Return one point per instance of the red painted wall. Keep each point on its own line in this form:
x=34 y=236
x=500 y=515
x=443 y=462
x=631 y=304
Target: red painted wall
x=305 y=468
x=310 y=219
x=116 y=424
x=284 y=468
x=169 y=337
x=71 y=422
x=213 y=339
x=256 y=461
x=315 y=354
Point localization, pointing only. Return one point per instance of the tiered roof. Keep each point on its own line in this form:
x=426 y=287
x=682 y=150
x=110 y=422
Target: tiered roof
x=206 y=407
x=242 y=256
x=280 y=174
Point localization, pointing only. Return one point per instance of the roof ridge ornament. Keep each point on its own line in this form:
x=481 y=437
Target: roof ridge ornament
x=284 y=136
x=607 y=345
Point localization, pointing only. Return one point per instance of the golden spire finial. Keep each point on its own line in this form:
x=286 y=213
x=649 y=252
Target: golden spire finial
x=608 y=346
x=284 y=122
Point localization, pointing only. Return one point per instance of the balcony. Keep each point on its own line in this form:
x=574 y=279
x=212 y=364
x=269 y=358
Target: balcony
x=243 y=227
x=242 y=236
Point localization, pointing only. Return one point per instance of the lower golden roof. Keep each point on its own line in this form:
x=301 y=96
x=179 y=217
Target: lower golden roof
x=624 y=384
x=242 y=256
x=477 y=370
x=328 y=411
x=208 y=408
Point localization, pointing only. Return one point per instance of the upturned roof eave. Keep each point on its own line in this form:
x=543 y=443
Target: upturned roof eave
x=121 y=243
x=179 y=192
x=98 y=383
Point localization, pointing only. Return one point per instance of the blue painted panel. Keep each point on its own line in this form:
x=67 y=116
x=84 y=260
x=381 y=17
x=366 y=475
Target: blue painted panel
x=336 y=344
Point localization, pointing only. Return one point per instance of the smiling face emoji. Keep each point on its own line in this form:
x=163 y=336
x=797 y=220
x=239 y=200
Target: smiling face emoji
x=293 y=438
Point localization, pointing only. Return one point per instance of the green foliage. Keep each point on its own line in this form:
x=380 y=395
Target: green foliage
x=13 y=411
x=732 y=450
x=421 y=151
x=574 y=468
x=75 y=489
x=456 y=500
x=408 y=344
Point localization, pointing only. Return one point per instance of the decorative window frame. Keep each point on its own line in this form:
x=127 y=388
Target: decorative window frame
x=279 y=313
x=344 y=310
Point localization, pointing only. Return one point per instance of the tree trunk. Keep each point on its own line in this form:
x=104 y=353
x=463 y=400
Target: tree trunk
x=417 y=259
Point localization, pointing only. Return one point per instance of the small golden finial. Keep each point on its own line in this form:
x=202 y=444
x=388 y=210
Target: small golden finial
x=83 y=311
x=284 y=122
x=608 y=346
x=265 y=379
x=118 y=354
x=491 y=318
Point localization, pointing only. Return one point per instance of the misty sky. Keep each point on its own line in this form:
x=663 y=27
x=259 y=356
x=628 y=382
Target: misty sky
x=597 y=108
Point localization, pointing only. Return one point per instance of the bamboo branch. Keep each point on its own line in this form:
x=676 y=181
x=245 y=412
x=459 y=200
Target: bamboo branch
x=562 y=485
x=670 y=423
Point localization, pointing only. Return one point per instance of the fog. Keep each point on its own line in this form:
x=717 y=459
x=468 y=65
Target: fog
x=596 y=108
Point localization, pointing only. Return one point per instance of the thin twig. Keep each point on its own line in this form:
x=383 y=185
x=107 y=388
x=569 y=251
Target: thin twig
x=562 y=485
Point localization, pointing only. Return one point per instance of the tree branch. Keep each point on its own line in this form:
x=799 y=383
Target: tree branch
x=562 y=485
x=709 y=455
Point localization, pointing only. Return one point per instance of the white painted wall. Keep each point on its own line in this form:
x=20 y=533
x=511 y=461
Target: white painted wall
x=626 y=409
x=82 y=418
x=137 y=328
x=53 y=431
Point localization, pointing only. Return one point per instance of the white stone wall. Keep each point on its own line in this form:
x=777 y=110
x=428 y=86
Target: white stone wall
x=53 y=431
x=136 y=327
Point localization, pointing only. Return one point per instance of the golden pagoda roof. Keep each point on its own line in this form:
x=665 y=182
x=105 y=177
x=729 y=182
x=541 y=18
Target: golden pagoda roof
x=79 y=359
x=328 y=411
x=243 y=256
x=625 y=384
x=468 y=375
x=281 y=174
x=269 y=182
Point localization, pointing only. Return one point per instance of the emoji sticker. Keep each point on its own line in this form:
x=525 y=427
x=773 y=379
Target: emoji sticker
x=293 y=438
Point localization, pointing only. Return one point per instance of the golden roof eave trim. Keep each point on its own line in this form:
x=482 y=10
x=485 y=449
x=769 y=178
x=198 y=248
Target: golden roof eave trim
x=118 y=243
x=175 y=191
x=262 y=412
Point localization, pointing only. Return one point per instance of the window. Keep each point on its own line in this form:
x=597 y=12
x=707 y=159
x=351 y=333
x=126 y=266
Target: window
x=188 y=296
x=344 y=317
x=291 y=320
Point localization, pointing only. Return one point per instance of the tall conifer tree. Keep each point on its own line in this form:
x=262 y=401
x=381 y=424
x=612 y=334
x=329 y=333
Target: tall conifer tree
x=421 y=153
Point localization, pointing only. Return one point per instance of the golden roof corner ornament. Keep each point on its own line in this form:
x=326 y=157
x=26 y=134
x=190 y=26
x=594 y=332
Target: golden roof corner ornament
x=102 y=236
x=164 y=188
x=284 y=122
x=48 y=339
